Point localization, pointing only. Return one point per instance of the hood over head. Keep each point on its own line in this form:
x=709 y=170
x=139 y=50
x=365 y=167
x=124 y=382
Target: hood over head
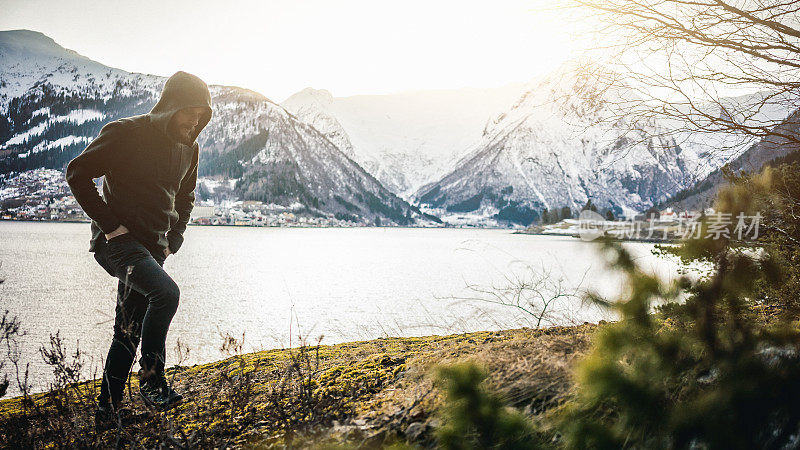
x=182 y=90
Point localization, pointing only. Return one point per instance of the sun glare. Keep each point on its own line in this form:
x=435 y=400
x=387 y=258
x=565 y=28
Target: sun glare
x=347 y=47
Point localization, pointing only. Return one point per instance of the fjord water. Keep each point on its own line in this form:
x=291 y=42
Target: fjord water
x=276 y=285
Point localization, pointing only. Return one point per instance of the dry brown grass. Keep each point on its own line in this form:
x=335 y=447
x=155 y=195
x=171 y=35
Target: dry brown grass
x=529 y=368
x=359 y=394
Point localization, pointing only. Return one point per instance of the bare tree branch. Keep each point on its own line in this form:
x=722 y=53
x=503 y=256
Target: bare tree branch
x=729 y=68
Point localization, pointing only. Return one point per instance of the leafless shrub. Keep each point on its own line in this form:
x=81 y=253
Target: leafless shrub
x=66 y=367
x=60 y=414
x=239 y=376
x=545 y=299
x=295 y=394
x=9 y=332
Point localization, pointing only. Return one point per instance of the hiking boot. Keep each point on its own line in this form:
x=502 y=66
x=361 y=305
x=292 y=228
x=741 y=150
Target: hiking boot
x=156 y=392
x=107 y=417
x=173 y=397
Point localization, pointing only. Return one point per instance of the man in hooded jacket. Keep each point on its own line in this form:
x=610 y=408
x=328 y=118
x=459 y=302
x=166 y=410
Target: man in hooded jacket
x=149 y=163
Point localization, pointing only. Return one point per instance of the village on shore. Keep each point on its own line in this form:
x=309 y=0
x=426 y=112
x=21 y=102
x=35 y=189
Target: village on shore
x=43 y=195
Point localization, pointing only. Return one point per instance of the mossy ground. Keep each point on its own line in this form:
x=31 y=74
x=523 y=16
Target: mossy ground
x=360 y=394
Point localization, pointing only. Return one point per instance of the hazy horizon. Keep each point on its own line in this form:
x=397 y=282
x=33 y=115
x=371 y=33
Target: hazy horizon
x=279 y=48
x=411 y=91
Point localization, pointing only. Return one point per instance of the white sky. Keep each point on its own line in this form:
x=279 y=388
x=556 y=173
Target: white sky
x=278 y=47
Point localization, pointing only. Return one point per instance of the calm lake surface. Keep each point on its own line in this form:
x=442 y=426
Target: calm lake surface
x=276 y=284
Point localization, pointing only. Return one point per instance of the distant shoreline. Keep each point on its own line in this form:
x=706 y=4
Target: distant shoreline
x=291 y=226
x=511 y=230
x=576 y=236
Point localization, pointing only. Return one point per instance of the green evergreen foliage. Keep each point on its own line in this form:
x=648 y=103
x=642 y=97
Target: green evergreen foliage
x=229 y=163
x=702 y=372
x=776 y=195
x=556 y=215
x=430 y=197
x=515 y=213
x=477 y=419
x=347 y=205
x=347 y=217
x=432 y=218
x=683 y=194
x=546 y=217
x=20 y=118
x=279 y=183
x=393 y=210
x=468 y=205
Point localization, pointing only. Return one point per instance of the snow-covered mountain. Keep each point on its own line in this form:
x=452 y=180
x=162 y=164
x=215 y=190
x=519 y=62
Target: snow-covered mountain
x=564 y=143
x=716 y=145
x=772 y=150
x=554 y=149
x=488 y=155
x=279 y=159
x=405 y=139
x=53 y=101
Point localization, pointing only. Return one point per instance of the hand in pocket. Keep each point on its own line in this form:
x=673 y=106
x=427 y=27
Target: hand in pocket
x=118 y=232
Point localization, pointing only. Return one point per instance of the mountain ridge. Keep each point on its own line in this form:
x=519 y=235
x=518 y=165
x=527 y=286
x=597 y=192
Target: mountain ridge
x=407 y=138
x=54 y=103
x=766 y=151
x=548 y=151
x=492 y=156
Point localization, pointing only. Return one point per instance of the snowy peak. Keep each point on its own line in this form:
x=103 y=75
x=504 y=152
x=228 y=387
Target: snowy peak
x=54 y=101
x=315 y=107
x=554 y=149
x=32 y=64
x=309 y=96
x=404 y=139
x=567 y=94
x=26 y=44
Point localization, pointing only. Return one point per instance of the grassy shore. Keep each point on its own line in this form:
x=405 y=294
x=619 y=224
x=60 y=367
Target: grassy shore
x=367 y=394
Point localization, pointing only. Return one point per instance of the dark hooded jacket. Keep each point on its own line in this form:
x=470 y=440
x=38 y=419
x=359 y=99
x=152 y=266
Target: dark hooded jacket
x=149 y=177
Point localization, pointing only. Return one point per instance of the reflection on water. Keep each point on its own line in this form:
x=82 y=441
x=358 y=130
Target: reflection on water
x=343 y=284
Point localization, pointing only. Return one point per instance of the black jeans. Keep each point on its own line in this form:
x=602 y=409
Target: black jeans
x=147 y=299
